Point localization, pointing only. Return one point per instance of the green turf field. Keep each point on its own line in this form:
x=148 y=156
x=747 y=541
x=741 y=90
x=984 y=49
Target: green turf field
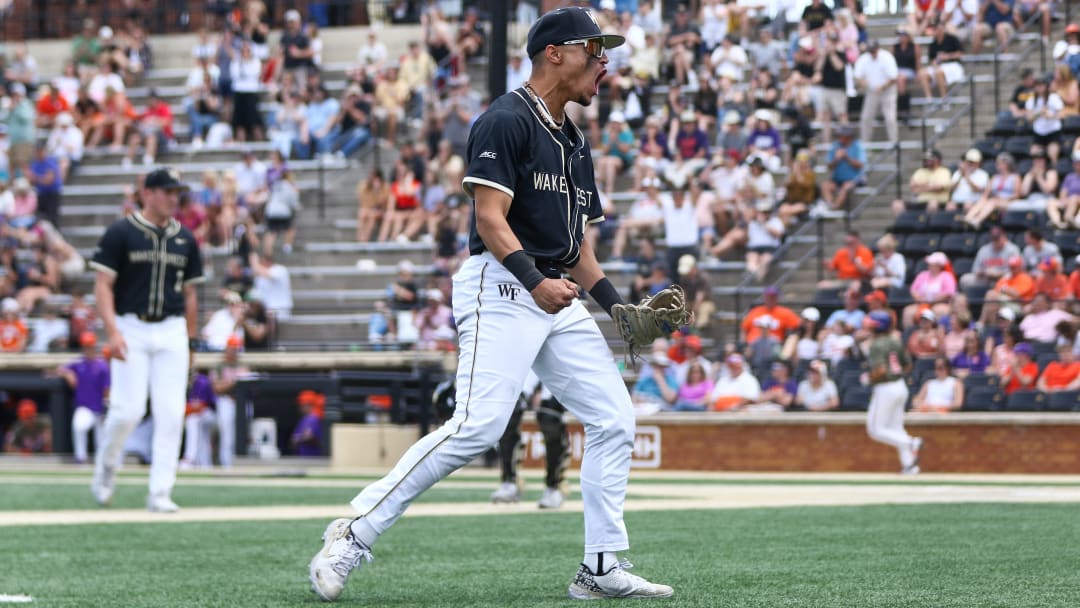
x=962 y=555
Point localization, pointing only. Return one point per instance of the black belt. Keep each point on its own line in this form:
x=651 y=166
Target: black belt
x=152 y=318
x=549 y=268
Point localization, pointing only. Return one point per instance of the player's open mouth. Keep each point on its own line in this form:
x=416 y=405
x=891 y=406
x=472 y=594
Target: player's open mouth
x=596 y=83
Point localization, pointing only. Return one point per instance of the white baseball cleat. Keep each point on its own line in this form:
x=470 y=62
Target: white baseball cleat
x=552 y=499
x=104 y=485
x=617 y=583
x=341 y=554
x=507 y=492
x=161 y=503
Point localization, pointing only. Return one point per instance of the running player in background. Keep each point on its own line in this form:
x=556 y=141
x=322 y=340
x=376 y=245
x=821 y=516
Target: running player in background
x=549 y=417
x=889 y=362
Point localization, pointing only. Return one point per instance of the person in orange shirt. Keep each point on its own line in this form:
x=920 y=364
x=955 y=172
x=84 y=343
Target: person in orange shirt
x=1016 y=285
x=1052 y=282
x=50 y=105
x=1074 y=281
x=852 y=262
x=1022 y=372
x=1063 y=374
x=13 y=332
x=786 y=319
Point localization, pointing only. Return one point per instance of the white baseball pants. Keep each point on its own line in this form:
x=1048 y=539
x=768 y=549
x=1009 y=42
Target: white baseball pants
x=226 y=422
x=197 y=445
x=503 y=333
x=885 y=419
x=156 y=366
x=82 y=422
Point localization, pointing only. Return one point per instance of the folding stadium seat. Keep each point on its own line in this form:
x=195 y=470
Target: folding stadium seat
x=802 y=368
x=1044 y=359
x=848 y=378
x=1019 y=146
x=976 y=294
x=989 y=166
x=918 y=246
x=1071 y=125
x=984 y=399
x=1022 y=220
x=1023 y=166
x=1044 y=348
x=1064 y=401
x=962 y=266
x=1068 y=241
x=1008 y=125
x=900 y=297
x=946 y=221
x=958 y=245
x=856 y=399
x=920 y=367
x=991 y=146
x=977 y=379
x=829 y=298
x=1026 y=401
x=1064 y=164
x=909 y=222
x=848 y=365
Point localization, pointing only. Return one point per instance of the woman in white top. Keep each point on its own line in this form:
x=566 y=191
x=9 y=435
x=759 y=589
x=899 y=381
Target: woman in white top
x=763 y=235
x=1044 y=112
x=246 y=70
x=817 y=392
x=942 y=393
x=803 y=343
x=890 y=267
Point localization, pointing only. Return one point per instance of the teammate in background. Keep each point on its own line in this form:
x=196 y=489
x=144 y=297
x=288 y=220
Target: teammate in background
x=889 y=362
x=88 y=377
x=31 y=434
x=147 y=267
x=549 y=417
x=531 y=178
x=224 y=378
x=306 y=438
x=198 y=423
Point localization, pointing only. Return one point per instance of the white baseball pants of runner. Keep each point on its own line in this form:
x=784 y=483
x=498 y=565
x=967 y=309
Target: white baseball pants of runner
x=156 y=366
x=198 y=450
x=885 y=418
x=82 y=421
x=502 y=334
x=226 y=423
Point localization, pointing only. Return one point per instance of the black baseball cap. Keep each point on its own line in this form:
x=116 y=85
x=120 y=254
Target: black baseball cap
x=164 y=178
x=564 y=24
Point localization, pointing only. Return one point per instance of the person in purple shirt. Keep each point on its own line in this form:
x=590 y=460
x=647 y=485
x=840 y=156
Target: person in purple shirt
x=48 y=184
x=199 y=423
x=971 y=360
x=306 y=439
x=764 y=140
x=780 y=388
x=691 y=149
x=1062 y=210
x=88 y=377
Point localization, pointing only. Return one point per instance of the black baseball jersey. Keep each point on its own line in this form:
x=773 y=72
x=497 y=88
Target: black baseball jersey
x=151 y=265
x=548 y=173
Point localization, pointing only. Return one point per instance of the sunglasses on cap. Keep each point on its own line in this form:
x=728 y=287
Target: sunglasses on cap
x=593 y=46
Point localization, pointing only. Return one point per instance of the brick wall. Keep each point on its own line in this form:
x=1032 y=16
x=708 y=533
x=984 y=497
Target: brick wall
x=975 y=443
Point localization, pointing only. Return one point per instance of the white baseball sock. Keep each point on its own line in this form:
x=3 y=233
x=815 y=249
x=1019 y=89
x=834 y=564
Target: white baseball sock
x=601 y=563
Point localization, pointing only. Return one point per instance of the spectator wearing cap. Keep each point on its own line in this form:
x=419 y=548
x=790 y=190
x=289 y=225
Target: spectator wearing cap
x=689 y=147
x=786 y=319
x=296 y=52
x=991 y=260
x=764 y=141
x=972 y=358
x=1062 y=210
x=846 y=160
x=31 y=434
x=66 y=143
x=306 y=438
x=657 y=385
x=1037 y=248
x=729 y=56
x=1040 y=323
x=969 y=181
x=245 y=76
x=1044 y=110
x=817 y=392
x=225 y=322
x=765 y=348
x=1052 y=282
x=618 y=150
x=45 y=174
x=1062 y=374
x=223 y=379
x=50 y=105
x=851 y=315
x=876 y=72
x=20 y=120
x=1016 y=286
x=927 y=341
x=765 y=52
x=88 y=378
x=1040 y=183
x=830 y=73
x=153 y=131
x=946 y=55
x=803 y=344
x=434 y=322
x=731 y=135
x=890 y=267
x=736 y=389
x=932 y=288
x=696 y=286
x=931 y=184
x=13 y=332
x=995 y=19
x=780 y=388
x=1019 y=372
x=854 y=262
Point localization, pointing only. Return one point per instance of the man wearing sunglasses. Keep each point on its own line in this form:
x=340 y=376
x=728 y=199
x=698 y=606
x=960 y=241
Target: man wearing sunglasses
x=531 y=178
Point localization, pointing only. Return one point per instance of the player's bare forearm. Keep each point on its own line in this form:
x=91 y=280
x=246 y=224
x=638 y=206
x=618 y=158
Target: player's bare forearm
x=191 y=309
x=491 y=208
x=587 y=271
x=106 y=306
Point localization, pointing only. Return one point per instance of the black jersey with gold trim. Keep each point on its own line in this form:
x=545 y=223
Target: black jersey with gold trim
x=151 y=264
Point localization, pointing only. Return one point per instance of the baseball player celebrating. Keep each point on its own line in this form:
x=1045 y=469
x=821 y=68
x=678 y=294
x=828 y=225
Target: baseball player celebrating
x=889 y=361
x=530 y=175
x=147 y=268
x=549 y=417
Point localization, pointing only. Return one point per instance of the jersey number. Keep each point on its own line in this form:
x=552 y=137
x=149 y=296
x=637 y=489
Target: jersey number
x=179 y=281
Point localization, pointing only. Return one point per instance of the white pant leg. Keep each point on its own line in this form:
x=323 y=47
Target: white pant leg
x=81 y=422
x=168 y=388
x=498 y=341
x=871 y=105
x=226 y=424
x=885 y=418
x=888 y=113
x=128 y=388
x=192 y=431
x=578 y=368
x=204 y=449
